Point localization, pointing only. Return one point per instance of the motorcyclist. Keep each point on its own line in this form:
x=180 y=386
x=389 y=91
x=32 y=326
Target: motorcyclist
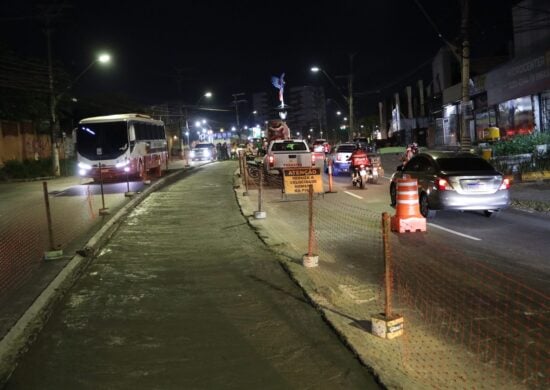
x=358 y=157
x=411 y=150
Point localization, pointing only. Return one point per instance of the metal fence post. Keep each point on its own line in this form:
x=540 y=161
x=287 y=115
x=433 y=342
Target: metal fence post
x=245 y=175
x=103 y=210
x=310 y=259
x=260 y=214
x=387 y=325
x=51 y=253
x=387 y=264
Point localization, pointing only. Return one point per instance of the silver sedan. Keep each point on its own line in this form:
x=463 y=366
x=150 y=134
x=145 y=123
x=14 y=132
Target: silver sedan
x=454 y=181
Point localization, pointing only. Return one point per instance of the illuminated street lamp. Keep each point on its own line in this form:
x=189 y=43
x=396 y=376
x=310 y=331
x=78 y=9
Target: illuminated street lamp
x=349 y=98
x=54 y=101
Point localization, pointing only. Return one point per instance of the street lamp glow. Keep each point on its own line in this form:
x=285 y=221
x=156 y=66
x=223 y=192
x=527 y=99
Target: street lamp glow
x=315 y=69
x=338 y=113
x=197 y=123
x=233 y=128
x=104 y=58
x=208 y=94
x=203 y=121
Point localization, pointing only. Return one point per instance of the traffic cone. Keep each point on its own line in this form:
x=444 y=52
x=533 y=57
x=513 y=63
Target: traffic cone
x=407 y=216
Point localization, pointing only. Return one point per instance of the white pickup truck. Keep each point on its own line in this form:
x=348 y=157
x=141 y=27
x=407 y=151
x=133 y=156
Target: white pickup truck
x=288 y=153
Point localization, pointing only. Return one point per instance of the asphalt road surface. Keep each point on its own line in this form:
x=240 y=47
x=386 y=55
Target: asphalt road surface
x=512 y=241
x=185 y=296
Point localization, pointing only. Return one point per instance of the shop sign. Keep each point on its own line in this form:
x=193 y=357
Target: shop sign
x=521 y=77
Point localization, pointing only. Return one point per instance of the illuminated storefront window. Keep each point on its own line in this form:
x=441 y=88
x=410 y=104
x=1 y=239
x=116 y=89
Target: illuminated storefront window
x=516 y=116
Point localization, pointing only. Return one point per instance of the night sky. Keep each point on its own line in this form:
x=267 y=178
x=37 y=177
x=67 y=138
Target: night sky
x=236 y=46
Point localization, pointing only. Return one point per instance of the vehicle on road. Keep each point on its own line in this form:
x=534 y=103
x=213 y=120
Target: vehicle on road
x=359 y=177
x=116 y=146
x=288 y=153
x=339 y=158
x=203 y=151
x=454 y=181
x=321 y=145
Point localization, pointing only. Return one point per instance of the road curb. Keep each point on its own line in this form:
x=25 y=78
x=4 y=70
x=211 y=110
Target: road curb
x=21 y=336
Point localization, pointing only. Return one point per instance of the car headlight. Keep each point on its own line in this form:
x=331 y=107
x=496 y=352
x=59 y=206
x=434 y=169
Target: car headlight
x=82 y=165
x=192 y=154
x=207 y=153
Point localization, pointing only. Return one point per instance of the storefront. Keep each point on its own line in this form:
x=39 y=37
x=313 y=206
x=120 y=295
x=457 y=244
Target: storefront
x=518 y=97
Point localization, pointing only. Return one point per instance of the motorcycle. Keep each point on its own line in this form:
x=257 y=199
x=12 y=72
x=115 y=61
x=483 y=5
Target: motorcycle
x=373 y=175
x=359 y=177
x=363 y=174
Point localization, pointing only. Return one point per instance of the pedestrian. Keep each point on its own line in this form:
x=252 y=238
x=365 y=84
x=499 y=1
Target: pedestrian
x=218 y=151
x=228 y=150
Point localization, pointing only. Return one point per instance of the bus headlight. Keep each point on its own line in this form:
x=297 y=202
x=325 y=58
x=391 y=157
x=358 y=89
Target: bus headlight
x=84 y=166
x=122 y=164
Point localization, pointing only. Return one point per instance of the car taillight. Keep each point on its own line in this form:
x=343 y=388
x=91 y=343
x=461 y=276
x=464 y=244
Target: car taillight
x=505 y=184
x=312 y=159
x=271 y=161
x=442 y=184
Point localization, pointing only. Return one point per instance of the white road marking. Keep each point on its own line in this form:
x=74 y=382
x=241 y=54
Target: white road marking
x=454 y=232
x=355 y=196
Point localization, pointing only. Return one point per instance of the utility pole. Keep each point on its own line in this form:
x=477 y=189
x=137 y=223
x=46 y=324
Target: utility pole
x=236 y=102
x=54 y=125
x=350 y=97
x=465 y=139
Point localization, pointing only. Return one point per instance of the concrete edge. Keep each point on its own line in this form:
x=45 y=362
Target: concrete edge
x=21 y=336
x=286 y=262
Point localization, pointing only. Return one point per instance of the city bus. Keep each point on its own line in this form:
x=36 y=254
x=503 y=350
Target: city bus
x=122 y=146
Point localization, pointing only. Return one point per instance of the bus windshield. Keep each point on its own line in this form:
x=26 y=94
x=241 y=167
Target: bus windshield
x=110 y=139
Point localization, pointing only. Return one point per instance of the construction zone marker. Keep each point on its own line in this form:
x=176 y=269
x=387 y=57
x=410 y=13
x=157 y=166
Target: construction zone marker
x=407 y=217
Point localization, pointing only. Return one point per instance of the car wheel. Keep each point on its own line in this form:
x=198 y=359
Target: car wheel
x=425 y=207
x=490 y=213
x=393 y=195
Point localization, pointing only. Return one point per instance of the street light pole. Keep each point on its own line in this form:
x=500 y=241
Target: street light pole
x=349 y=98
x=54 y=100
x=236 y=102
x=54 y=128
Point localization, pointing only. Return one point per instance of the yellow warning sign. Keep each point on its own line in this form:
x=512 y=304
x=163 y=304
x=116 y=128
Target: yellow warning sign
x=298 y=180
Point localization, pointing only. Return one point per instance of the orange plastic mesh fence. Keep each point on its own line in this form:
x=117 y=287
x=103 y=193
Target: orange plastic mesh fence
x=24 y=233
x=466 y=325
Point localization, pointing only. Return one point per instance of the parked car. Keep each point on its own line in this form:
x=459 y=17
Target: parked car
x=454 y=181
x=203 y=151
x=339 y=157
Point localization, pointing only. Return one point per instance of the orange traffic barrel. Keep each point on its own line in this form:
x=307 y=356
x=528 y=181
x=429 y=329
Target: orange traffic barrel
x=407 y=216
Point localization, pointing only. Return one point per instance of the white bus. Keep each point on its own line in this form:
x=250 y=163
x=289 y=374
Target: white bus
x=124 y=144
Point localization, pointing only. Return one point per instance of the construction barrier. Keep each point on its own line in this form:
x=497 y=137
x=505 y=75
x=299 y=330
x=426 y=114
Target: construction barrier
x=407 y=216
x=469 y=323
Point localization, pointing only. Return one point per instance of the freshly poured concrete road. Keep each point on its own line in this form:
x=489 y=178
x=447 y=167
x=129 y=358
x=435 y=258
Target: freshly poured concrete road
x=186 y=296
